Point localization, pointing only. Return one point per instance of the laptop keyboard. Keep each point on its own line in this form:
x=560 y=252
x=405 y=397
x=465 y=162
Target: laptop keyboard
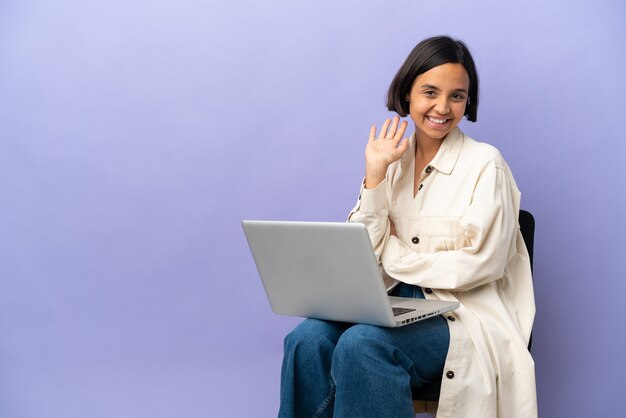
x=400 y=311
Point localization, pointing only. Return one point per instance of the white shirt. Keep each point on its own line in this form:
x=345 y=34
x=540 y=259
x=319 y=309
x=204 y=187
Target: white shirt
x=459 y=237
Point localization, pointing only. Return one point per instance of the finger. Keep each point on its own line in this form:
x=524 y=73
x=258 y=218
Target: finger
x=400 y=133
x=372 y=133
x=403 y=146
x=383 y=129
x=393 y=128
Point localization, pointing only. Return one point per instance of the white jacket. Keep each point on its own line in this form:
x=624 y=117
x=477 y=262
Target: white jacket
x=459 y=239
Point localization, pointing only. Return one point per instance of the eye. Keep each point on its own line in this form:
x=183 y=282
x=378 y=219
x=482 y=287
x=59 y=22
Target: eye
x=429 y=93
x=458 y=97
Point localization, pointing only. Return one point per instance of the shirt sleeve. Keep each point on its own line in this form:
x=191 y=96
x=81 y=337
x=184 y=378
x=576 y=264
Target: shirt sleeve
x=490 y=230
x=372 y=210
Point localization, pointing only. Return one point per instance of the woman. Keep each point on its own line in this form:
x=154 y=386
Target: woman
x=441 y=210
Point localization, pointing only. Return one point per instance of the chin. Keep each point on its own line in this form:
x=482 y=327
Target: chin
x=436 y=134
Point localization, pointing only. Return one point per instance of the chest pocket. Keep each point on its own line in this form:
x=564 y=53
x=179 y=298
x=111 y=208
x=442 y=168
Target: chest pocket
x=431 y=234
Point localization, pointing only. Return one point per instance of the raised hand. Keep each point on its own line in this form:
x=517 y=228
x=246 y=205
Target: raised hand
x=384 y=150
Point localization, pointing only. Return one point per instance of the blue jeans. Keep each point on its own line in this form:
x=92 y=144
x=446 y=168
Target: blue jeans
x=347 y=370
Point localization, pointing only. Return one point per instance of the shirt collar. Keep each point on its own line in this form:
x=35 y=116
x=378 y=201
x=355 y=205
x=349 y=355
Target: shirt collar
x=446 y=156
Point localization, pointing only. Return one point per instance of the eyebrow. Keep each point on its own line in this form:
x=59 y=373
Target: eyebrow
x=430 y=86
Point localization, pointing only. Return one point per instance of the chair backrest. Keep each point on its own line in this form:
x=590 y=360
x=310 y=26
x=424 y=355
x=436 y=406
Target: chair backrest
x=527 y=226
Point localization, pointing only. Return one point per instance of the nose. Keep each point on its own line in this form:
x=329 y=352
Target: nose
x=442 y=106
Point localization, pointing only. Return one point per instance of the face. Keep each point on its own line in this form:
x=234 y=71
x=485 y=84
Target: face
x=437 y=100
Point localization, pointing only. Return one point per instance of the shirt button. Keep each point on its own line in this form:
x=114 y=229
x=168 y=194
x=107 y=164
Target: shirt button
x=428 y=290
x=451 y=318
x=415 y=240
x=429 y=169
x=450 y=374
x=420 y=188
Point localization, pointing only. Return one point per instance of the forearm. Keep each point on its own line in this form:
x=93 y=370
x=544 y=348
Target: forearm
x=372 y=210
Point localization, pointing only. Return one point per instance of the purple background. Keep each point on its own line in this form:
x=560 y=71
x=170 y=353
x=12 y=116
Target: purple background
x=135 y=135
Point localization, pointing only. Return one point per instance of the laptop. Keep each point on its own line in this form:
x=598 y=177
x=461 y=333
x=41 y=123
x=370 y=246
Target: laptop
x=328 y=270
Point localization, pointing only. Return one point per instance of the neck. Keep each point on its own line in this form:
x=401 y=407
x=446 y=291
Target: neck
x=426 y=148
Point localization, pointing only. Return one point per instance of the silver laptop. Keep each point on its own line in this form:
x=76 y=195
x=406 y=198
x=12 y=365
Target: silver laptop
x=328 y=270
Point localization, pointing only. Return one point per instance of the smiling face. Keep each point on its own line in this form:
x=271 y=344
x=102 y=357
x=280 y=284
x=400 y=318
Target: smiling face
x=437 y=100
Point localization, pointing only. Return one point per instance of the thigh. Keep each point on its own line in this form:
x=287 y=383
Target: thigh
x=421 y=348
x=311 y=330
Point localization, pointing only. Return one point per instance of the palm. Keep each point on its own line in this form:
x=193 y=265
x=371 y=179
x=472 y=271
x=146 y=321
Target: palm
x=388 y=147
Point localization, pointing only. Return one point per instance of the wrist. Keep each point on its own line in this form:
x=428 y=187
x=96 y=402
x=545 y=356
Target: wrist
x=374 y=175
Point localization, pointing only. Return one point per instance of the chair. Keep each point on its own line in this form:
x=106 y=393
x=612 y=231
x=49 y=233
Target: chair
x=426 y=400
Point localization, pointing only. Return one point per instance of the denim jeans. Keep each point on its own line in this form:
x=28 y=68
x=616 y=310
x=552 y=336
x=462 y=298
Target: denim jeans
x=333 y=369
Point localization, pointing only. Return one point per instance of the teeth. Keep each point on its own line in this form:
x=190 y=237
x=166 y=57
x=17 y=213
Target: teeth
x=436 y=120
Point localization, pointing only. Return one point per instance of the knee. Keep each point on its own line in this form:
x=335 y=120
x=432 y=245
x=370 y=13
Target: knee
x=366 y=352
x=359 y=343
x=308 y=338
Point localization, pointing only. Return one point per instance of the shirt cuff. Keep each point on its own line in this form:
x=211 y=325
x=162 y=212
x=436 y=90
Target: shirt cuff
x=373 y=200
